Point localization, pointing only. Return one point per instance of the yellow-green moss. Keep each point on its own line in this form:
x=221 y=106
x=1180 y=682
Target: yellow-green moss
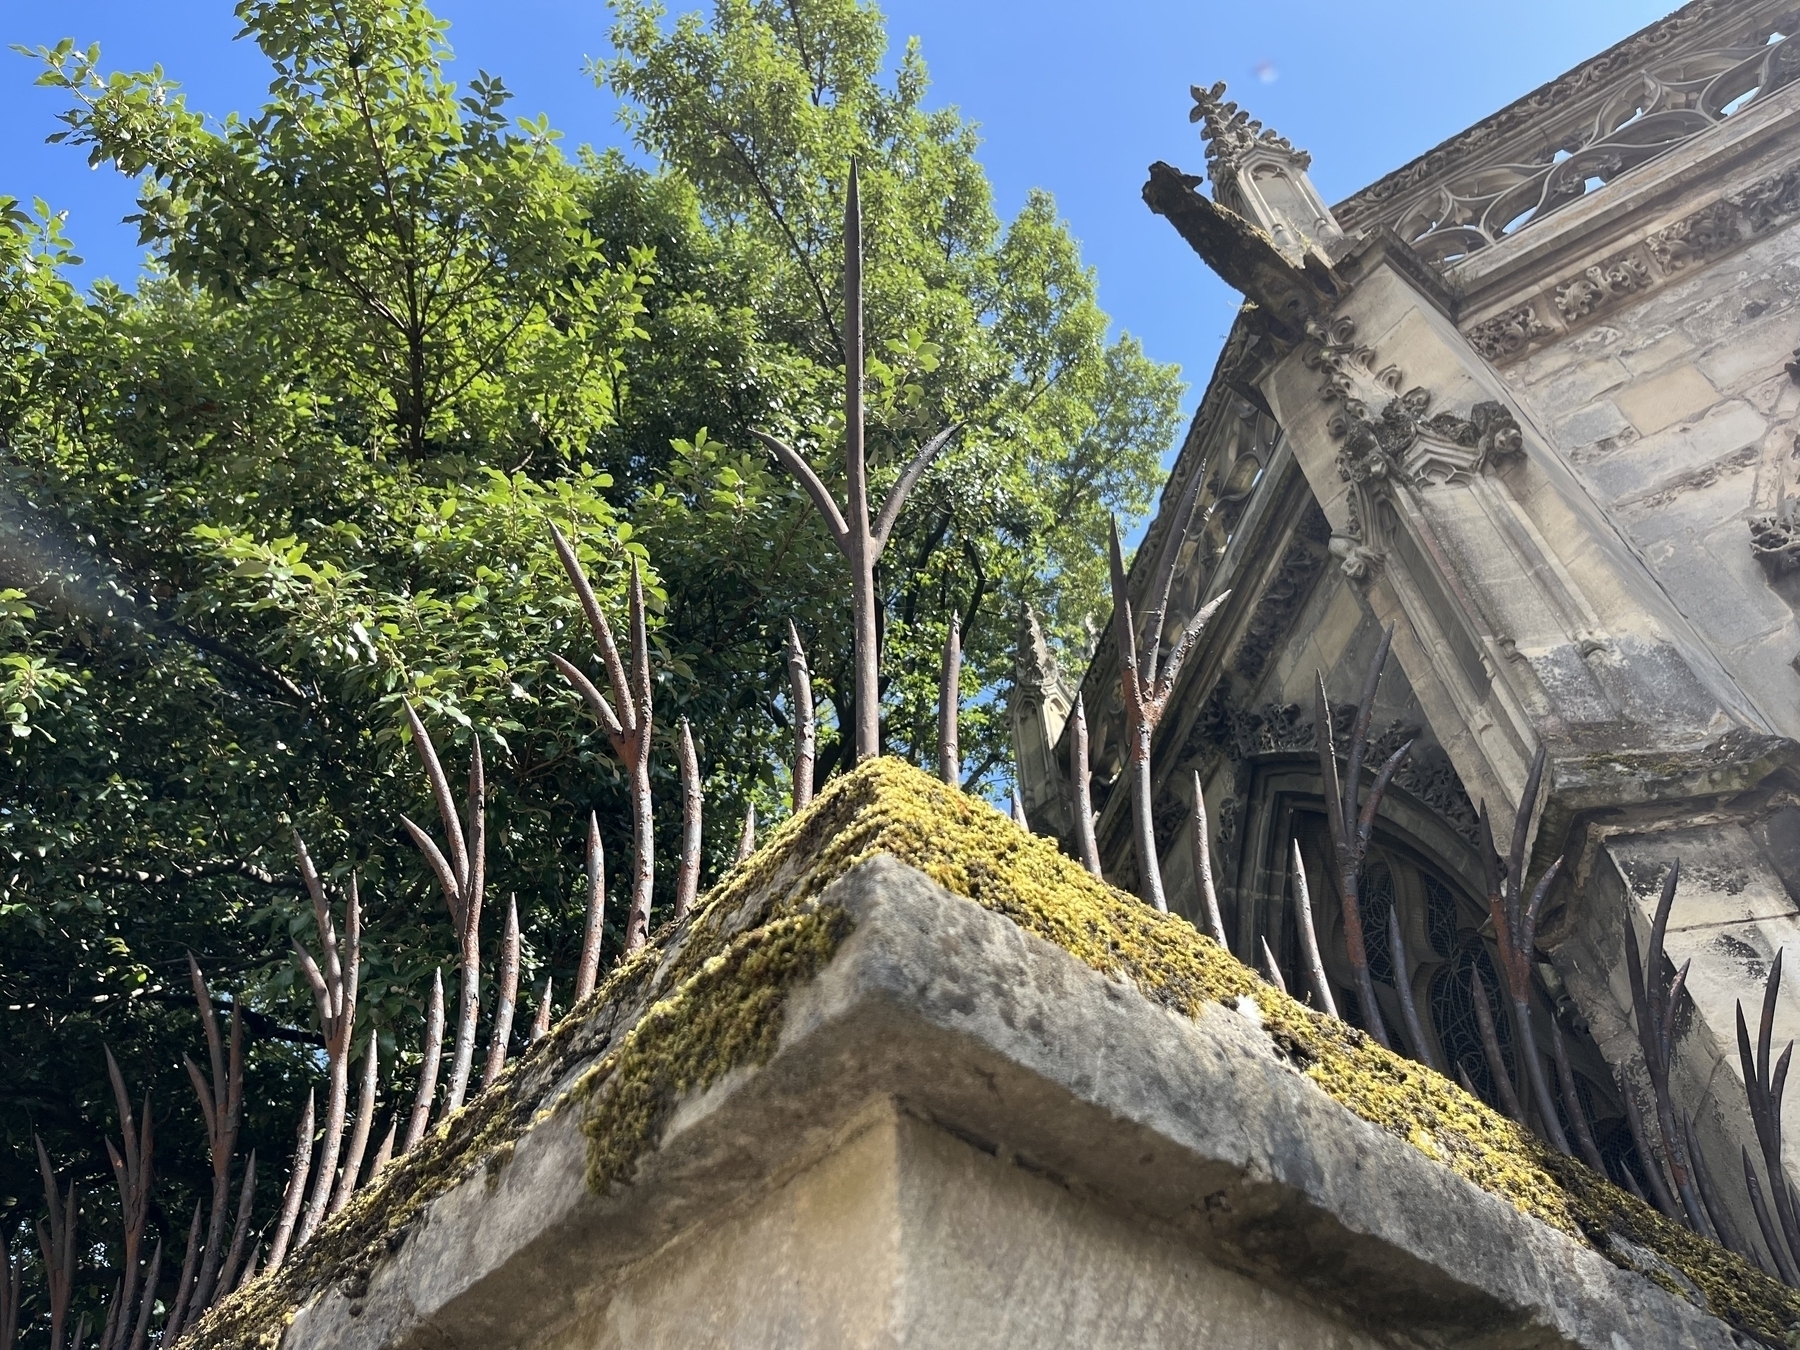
x=708 y=997
x=727 y=1014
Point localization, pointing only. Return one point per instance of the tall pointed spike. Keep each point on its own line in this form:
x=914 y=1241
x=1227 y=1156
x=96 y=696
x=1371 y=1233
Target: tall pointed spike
x=1515 y=862
x=476 y=832
x=359 y=1134
x=1490 y=1046
x=1309 y=936
x=747 y=835
x=687 y=878
x=1271 y=970
x=1203 y=873
x=950 y=704
x=296 y=1187
x=1659 y=926
x=1772 y=1238
x=240 y=1233
x=184 y=1284
x=1328 y=771
x=1365 y=825
x=540 y=1024
x=1572 y=1103
x=208 y=1022
x=1712 y=1203
x=805 y=730
x=643 y=824
x=1359 y=729
x=1660 y=1193
x=1124 y=631
x=1403 y=986
x=1766 y=1028
x=433 y=1052
x=596 y=617
x=1081 y=773
x=1163 y=579
x=507 y=998
x=587 y=969
x=426 y=750
x=385 y=1154
x=352 y=950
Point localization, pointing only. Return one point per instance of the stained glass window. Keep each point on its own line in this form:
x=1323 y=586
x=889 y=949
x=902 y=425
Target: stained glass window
x=1442 y=917
x=1453 y=1013
x=1377 y=902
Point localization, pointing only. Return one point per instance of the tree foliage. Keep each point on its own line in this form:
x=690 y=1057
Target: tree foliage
x=306 y=469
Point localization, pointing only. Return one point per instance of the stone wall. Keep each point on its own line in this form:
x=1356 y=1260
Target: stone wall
x=905 y=1235
x=1666 y=410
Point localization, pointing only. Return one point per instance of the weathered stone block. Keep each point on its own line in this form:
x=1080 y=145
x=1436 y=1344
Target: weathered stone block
x=1666 y=399
x=1722 y=431
x=1653 y=355
x=1755 y=353
x=1581 y=385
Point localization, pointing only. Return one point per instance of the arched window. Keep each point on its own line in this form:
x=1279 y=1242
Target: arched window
x=1454 y=1018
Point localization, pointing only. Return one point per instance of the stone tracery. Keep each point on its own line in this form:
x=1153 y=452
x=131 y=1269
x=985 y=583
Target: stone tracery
x=1668 y=105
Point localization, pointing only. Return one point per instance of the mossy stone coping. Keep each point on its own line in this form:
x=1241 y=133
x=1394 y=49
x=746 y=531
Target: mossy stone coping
x=708 y=996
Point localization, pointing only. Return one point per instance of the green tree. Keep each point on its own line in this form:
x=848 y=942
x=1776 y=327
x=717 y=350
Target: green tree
x=757 y=110
x=306 y=469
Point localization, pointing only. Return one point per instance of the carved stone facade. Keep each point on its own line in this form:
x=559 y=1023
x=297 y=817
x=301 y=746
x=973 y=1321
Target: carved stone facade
x=1533 y=402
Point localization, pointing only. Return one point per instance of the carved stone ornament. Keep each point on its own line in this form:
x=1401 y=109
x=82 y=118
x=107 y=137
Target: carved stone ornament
x=1286 y=591
x=1600 y=285
x=1670 y=101
x=1398 y=446
x=1729 y=222
x=1770 y=202
x=1286 y=728
x=1357 y=560
x=1775 y=536
x=1775 y=540
x=1695 y=239
x=1713 y=230
x=1402 y=446
x=1501 y=137
x=1340 y=359
x=1231 y=134
x=1508 y=334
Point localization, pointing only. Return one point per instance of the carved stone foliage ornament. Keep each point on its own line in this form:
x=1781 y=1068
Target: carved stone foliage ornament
x=1402 y=444
x=1286 y=728
x=1731 y=222
x=1599 y=284
x=1508 y=334
x=1281 y=599
x=1713 y=229
x=1231 y=134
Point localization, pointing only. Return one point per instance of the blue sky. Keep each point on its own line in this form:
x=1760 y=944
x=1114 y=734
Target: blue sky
x=1075 y=98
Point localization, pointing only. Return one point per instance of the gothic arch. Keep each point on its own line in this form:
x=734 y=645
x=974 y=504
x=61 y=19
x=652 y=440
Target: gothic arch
x=1423 y=867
